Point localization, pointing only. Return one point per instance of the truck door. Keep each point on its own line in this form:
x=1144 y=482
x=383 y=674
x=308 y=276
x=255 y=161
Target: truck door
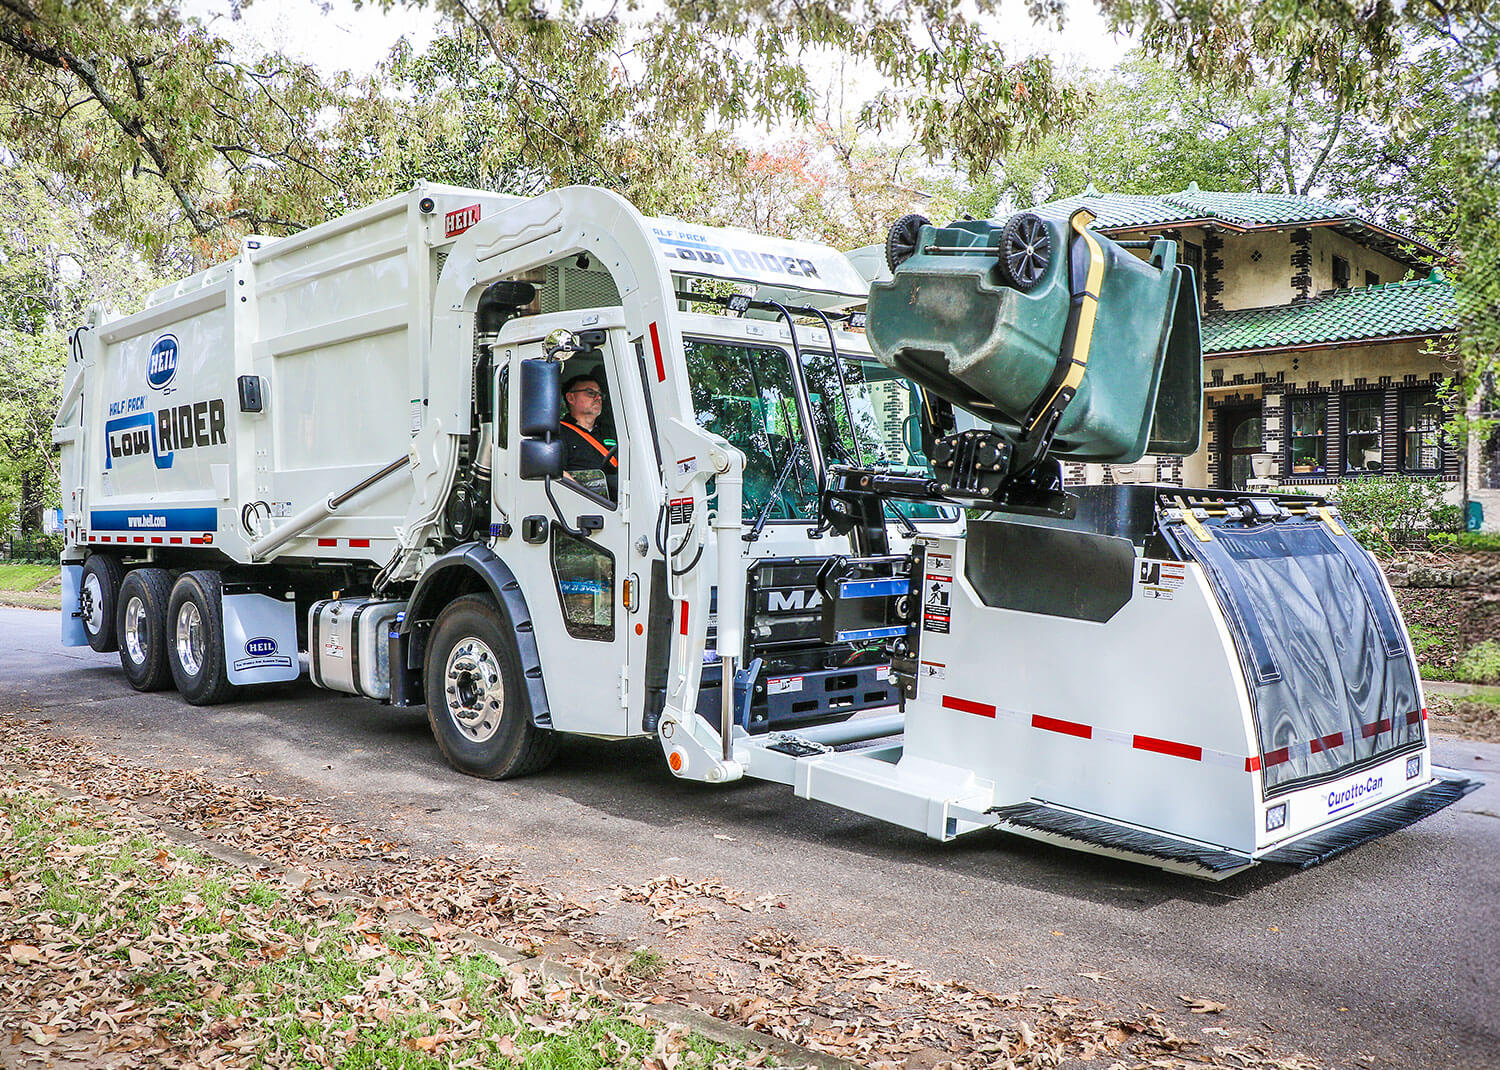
x=572 y=561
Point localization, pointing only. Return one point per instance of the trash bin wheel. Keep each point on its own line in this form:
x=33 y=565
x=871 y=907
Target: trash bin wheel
x=901 y=239
x=1025 y=251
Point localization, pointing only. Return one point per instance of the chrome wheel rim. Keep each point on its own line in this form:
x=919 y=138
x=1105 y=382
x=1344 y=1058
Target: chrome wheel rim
x=190 y=639
x=91 y=604
x=475 y=691
x=135 y=630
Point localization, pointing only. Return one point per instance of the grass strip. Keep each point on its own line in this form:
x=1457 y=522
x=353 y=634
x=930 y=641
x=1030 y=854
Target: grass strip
x=16 y=577
x=112 y=941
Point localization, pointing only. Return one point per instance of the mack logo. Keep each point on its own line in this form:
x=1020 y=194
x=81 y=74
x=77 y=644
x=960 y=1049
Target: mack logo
x=161 y=366
x=792 y=601
x=260 y=647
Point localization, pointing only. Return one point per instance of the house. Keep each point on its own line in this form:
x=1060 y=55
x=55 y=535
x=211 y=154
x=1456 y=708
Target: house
x=1323 y=341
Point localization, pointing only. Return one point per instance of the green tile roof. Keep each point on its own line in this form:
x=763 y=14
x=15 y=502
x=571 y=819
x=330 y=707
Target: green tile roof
x=1394 y=310
x=1242 y=211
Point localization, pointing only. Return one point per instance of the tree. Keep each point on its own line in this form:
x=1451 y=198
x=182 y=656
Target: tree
x=1369 y=59
x=148 y=115
x=55 y=264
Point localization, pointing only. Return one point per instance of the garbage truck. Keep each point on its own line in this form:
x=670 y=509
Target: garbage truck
x=547 y=466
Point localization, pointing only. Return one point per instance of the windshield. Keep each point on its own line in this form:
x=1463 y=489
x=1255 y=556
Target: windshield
x=744 y=393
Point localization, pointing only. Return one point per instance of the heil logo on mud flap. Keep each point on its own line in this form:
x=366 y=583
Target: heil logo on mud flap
x=260 y=647
x=161 y=366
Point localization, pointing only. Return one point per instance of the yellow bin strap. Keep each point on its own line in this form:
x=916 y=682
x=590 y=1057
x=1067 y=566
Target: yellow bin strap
x=1088 y=312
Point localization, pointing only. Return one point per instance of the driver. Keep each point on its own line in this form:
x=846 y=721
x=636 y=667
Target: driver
x=584 y=447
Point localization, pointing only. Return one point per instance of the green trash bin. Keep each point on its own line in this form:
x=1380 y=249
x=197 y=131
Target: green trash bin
x=977 y=312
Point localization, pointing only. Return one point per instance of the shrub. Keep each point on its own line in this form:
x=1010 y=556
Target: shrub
x=1386 y=512
x=1479 y=664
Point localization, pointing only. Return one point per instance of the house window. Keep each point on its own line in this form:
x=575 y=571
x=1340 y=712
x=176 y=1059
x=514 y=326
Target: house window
x=1372 y=279
x=1421 y=427
x=1306 y=438
x=1341 y=274
x=1362 y=433
x=1192 y=256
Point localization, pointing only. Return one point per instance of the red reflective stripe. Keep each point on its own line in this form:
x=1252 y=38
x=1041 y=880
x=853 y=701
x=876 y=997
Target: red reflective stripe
x=1424 y=713
x=328 y=542
x=1166 y=746
x=359 y=544
x=1067 y=728
x=176 y=540
x=1382 y=725
x=140 y=538
x=1252 y=764
x=1416 y=715
x=1326 y=742
x=197 y=542
x=156 y=538
x=661 y=368
x=1276 y=757
x=682 y=626
x=963 y=705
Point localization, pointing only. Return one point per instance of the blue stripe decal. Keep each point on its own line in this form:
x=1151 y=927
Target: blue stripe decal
x=144 y=520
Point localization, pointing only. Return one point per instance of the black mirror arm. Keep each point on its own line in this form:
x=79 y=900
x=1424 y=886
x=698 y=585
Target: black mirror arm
x=577 y=533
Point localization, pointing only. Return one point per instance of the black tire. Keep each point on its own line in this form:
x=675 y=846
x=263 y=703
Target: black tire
x=98 y=594
x=198 y=634
x=141 y=626
x=473 y=639
x=901 y=240
x=1025 y=251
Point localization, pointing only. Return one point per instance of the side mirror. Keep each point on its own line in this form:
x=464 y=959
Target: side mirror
x=560 y=345
x=541 y=458
x=541 y=451
x=541 y=398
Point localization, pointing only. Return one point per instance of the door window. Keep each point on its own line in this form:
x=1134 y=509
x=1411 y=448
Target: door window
x=591 y=458
x=585 y=576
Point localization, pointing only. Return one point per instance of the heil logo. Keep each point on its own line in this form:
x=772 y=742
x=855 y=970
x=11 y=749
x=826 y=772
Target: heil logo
x=161 y=366
x=260 y=647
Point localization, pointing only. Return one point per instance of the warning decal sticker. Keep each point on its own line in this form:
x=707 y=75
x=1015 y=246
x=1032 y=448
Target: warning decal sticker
x=1161 y=579
x=679 y=511
x=933 y=670
x=937 y=592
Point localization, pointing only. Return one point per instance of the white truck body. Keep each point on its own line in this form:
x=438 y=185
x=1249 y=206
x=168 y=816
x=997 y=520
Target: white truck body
x=324 y=416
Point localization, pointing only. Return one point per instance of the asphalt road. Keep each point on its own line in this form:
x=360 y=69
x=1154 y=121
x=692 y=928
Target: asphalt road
x=1392 y=950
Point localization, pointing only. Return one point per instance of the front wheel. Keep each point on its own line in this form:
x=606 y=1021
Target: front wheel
x=476 y=696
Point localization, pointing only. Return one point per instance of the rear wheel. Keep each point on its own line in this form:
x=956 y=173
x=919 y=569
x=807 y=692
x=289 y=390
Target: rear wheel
x=195 y=626
x=1025 y=251
x=476 y=696
x=98 y=595
x=901 y=239
x=141 y=626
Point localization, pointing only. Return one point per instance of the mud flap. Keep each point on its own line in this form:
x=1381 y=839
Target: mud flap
x=1324 y=844
x=1070 y=829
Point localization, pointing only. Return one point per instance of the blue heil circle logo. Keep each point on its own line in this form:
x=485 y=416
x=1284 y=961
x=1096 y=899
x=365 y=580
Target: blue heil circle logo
x=161 y=367
x=261 y=647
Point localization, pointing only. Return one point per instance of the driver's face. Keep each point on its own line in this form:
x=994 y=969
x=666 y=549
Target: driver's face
x=585 y=401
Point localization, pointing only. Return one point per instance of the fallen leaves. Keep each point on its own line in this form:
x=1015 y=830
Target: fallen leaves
x=1199 y=1005
x=877 y=1011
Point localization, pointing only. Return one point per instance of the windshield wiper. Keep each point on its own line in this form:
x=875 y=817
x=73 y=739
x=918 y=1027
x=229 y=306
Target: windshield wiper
x=781 y=477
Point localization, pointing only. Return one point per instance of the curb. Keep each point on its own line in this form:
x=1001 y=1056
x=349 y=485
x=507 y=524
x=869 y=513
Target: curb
x=668 y=1014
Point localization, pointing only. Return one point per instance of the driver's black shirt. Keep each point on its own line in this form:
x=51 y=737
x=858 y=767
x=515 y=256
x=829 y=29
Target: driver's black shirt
x=584 y=451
